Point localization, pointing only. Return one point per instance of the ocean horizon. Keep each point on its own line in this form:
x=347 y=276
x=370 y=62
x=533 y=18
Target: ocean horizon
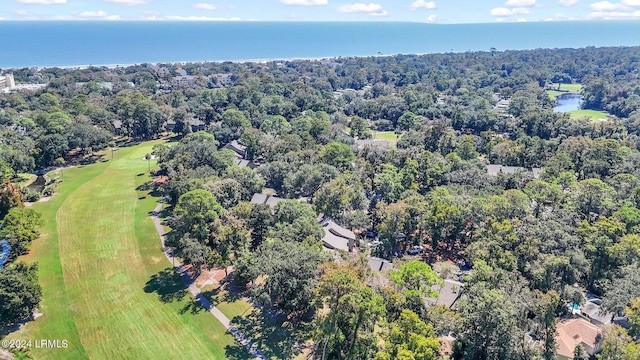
x=122 y=43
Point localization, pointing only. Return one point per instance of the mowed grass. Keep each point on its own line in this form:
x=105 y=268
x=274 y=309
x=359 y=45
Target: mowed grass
x=565 y=88
x=594 y=115
x=97 y=254
x=385 y=135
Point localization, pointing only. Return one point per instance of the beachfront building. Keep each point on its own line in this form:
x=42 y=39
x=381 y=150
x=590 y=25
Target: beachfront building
x=7 y=81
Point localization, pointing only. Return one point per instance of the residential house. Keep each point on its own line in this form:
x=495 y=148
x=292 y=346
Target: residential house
x=572 y=332
x=448 y=294
x=361 y=144
x=222 y=80
x=185 y=81
x=494 y=170
x=236 y=147
x=592 y=310
x=337 y=237
x=379 y=264
x=117 y=127
x=246 y=163
x=265 y=199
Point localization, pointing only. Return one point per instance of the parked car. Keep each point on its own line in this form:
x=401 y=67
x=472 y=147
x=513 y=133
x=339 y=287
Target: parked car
x=415 y=250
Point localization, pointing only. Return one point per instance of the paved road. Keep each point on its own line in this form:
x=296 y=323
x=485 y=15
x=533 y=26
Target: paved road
x=195 y=291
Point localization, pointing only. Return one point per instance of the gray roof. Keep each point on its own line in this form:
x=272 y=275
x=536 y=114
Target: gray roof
x=336 y=236
x=378 y=264
x=493 y=169
x=449 y=293
x=332 y=241
x=592 y=310
x=369 y=142
x=236 y=147
x=265 y=199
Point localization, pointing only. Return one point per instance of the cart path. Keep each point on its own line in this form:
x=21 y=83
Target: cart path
x=195 y=291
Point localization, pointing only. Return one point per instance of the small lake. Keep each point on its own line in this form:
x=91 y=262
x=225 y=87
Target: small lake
x=568 y=102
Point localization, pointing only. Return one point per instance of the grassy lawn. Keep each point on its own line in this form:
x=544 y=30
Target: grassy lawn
x=106 y=286
x=229 y=304
x=565 y=88
x=24 y=180
x=593 y=114
x=385 y=135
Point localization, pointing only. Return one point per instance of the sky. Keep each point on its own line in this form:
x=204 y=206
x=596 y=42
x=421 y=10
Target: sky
x=437 y=11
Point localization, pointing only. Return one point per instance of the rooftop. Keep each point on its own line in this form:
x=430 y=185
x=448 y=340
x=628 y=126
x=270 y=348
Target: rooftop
x=571 y=332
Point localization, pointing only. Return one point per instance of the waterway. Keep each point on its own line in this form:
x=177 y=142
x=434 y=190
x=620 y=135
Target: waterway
x=568 y=102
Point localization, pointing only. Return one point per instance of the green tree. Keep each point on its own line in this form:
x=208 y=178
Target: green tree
x=346 y=331
x=359 y=128
x=194 y=214
x=579 y=353
x=546 y=310
x=593 y=195
x=614 y=343
x=337 y=154
x=633 y=313
x=416 y=279
x=290 y=271
x=19 y=228
x=295 y=221
x=410 y=338
x=20 y=293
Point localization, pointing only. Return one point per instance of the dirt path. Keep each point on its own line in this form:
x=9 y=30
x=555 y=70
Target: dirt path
x=195 y=291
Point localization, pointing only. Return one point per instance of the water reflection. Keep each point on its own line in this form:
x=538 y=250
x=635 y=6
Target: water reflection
x=568 y=102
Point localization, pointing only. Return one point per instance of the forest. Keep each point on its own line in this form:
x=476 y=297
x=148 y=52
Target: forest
x=394 y=148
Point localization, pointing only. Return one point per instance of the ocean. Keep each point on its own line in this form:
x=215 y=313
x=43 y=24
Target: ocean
x=82 y=43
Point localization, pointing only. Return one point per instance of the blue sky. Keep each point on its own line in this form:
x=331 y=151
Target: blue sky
x=436 y=11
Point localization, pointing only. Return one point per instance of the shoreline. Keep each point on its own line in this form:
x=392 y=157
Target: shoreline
x=184 y=62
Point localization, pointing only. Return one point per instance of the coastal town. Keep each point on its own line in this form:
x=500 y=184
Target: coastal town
x=437 y=206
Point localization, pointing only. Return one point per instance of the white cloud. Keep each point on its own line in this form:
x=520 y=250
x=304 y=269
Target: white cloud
x=370 y=9
x=305 y=2
x=200 y=18
x=432 y=19
x=382 y=13
x=422 y=4
x=42 y=2
x=520 y=3
x=611 y=15
x=360 y=8
x=211 y=7
x=21 y=13
x=128 y=2
x=91 y=14
x=632 y=3
x=559 y=17
x=205 y=6
x=521 y=20
x=606 y=6
x=568 y=3
x=504 y=12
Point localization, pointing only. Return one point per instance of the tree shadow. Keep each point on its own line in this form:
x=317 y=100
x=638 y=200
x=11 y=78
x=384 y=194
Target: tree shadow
x=236 y=352
x=273 y=336
x=193 y=306
x=168 y=285
x=146 y=186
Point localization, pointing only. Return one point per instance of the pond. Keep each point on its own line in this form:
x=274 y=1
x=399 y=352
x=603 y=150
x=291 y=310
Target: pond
x=38 y=185
x=568 y=102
